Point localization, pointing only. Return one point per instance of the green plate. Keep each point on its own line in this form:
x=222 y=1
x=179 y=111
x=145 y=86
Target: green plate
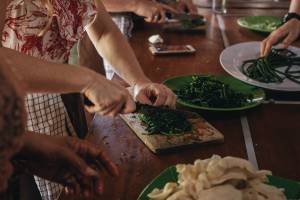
x=258 y=94
x=265 y=24
x=292 y=188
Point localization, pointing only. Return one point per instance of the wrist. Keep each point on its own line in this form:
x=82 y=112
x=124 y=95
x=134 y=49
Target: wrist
x=291 y=16
x=293 y=24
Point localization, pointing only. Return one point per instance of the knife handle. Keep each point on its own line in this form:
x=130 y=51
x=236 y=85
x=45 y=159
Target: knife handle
x=87 y=102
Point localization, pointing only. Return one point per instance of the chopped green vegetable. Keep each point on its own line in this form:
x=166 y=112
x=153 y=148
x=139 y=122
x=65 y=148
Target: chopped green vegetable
x=190 y=22
x=278 y=65
x=268 y=25
x=209 y=92
x=163 y=120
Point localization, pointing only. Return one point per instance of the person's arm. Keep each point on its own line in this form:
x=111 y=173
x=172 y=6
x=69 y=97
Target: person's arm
x=153 y=12
x=295 y=6
x=287 y=33
x=112 y=46
x=36 y=75
x=119 y=5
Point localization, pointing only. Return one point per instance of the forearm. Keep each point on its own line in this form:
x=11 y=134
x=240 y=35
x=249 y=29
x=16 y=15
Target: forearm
x=112 y=46
x=37 y=75
x=119 y=5
x=295 y=6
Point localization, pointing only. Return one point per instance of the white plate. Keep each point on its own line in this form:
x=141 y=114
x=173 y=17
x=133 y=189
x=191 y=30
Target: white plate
x=232 y=58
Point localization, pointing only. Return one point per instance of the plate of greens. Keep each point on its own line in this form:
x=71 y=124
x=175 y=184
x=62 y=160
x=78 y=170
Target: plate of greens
x=279 y=70
x=265 y=24
x=291 y=188
x=215 y=93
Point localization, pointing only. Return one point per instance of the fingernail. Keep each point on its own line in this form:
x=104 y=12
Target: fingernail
x=91 y=172
x=86 y=193
x=100 y=189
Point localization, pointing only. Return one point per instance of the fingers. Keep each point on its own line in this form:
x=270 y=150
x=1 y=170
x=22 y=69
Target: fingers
x=93 y=153
x=118 y=102
x=289 y=39
x=129 y=106
x=88 y=180
x=126 y=106
x=165 y=97
x=114 y=110
x=110 y=166
x=109 y=109
x=143 y=97
x=268 y=43
x=171 y=99
x=158 y=16
x=273 y=39
x=99 y=185
x=72 y=185
x=159 y=13
x=77 y=163
x=162 y=94
x=162 y=15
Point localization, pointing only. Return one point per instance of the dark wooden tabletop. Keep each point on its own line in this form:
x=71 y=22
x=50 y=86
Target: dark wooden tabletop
x=268 y=135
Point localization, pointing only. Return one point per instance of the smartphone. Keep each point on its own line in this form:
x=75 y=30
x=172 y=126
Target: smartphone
x=171 y=49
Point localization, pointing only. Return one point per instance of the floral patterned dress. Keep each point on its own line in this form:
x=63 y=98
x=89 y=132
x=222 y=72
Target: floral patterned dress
x=25 y=19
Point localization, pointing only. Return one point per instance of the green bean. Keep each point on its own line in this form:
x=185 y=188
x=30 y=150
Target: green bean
x=265 y=69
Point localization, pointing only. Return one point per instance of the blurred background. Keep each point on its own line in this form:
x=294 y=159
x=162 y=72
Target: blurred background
x=248 y=3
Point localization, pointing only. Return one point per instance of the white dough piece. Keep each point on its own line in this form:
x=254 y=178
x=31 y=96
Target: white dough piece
x=155 y=39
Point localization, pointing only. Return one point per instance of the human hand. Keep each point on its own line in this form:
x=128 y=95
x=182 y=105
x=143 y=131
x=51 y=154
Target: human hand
x=287 y=33
x=76 y=164
x=162 y=95
x=108 y=98
x=187 y=6
x=152 y=11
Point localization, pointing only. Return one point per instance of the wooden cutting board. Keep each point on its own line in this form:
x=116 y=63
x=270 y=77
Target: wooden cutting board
x=202 y=132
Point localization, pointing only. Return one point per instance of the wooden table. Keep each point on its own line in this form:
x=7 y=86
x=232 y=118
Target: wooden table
x=268 y=135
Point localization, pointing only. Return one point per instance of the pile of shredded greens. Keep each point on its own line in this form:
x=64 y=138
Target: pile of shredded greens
x=163 y=120
x=278 y=65
x=210 y=92
x=268 y=25
x=190 y=23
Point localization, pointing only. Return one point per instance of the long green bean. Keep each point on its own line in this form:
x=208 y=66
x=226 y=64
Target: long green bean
x=266 y=69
